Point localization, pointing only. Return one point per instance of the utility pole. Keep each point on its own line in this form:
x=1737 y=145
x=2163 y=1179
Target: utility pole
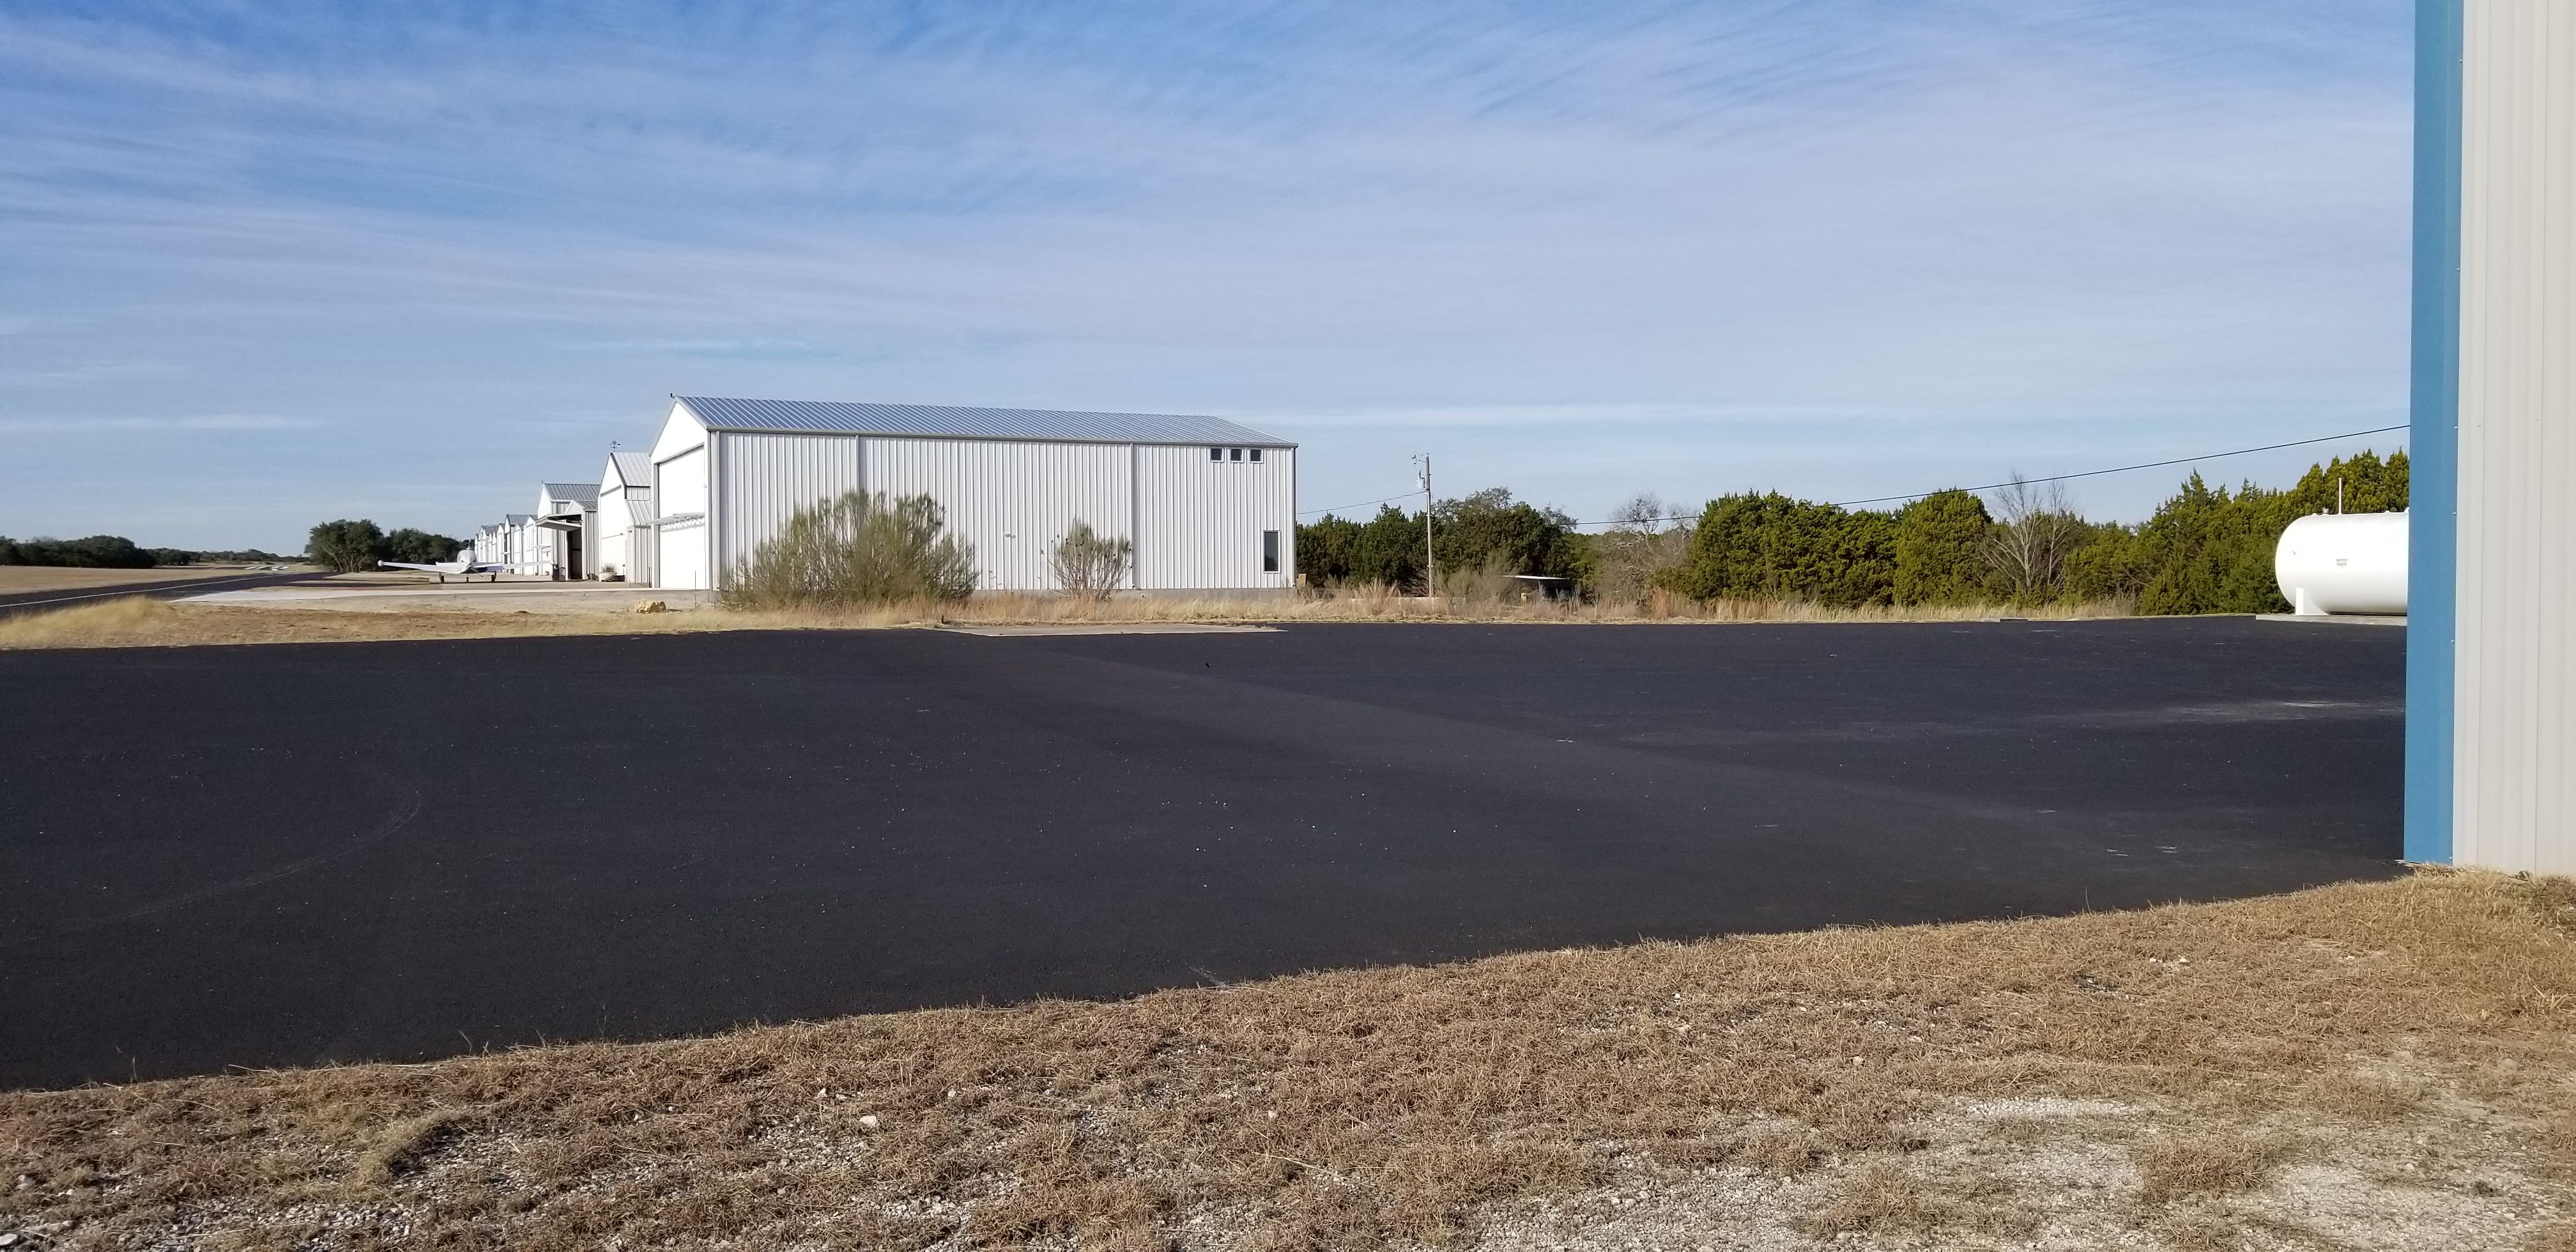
x=1430 y=571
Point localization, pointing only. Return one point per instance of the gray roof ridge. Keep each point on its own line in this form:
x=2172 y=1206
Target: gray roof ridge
x=970 y=422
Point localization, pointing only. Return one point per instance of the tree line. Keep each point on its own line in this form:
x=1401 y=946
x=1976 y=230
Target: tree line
x=347 y=546
x=2206 y=549
x=116 y=552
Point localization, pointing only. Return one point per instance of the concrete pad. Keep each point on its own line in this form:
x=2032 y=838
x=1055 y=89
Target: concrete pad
x=2343 y=619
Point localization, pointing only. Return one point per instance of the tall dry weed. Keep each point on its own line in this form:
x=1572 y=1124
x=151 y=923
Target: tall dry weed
x=860 y=550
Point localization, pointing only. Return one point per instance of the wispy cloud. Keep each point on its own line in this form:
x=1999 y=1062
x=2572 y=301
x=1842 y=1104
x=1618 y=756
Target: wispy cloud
x=1594 y=245
x=724 y=349
x=215 y=422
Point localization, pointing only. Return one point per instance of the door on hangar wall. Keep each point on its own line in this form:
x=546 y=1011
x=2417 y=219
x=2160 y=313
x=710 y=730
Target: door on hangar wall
x=681 y=560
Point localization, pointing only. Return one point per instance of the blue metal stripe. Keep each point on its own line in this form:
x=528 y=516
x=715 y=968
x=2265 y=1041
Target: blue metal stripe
x=2433 y=445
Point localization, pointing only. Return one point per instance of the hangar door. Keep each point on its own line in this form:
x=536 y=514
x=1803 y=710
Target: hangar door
x=683 y=557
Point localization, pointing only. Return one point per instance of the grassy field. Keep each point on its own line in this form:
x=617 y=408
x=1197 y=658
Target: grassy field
x=2367 y=1066
x=471 y=614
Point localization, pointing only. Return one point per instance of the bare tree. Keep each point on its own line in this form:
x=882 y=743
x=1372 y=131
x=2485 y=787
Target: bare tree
x=1089 y=565
x=1642 y=541
x=2035 y=531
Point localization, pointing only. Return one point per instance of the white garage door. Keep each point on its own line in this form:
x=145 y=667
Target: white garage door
x=683 y=563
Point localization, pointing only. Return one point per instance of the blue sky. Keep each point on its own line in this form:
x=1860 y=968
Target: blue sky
x=266 y=264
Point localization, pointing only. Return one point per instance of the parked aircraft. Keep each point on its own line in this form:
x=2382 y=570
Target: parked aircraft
x=462 y=569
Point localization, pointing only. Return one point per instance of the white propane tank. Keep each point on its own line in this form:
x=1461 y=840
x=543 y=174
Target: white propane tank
x=2343 y=563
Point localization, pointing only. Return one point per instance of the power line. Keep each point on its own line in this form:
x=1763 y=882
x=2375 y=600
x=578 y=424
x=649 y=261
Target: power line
x=2059 y=478
x=1401 y=495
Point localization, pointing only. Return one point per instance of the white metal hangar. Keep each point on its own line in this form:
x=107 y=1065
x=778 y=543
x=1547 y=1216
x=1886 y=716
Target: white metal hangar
x=623 y=524
x=1209 y=504
x=565 y=517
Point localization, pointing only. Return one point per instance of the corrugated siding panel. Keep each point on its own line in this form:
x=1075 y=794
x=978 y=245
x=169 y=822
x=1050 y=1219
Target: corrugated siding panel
x=2514 y=803
x=1200 y=521
x=1012 y=501
x=767 y=478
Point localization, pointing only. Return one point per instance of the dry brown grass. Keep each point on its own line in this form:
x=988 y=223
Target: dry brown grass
x=136 y=622
x=2204 y=1164
x=22 y=578
x=467 y=614
x=1781 y=1088
x=1380 y=604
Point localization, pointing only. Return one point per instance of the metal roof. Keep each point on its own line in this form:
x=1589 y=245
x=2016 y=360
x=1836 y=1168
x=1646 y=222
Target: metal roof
x=635 y=469
x=514 y=519
x=587 y=493
x=810 y=417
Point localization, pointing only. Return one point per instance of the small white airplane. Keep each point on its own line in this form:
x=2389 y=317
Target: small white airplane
x=462 y=569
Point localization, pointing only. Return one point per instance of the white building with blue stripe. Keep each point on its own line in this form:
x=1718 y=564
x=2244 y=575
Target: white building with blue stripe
x=2491 y=646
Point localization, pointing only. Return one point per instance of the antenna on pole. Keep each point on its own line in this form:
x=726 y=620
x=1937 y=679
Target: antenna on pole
x=1430 y=571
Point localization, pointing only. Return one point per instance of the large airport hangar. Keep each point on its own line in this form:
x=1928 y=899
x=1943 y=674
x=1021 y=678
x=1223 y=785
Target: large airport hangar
x=1209 y=504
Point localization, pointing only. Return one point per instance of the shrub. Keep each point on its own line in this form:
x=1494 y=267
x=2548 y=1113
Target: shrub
x=1088 y=564
x=1939 y=542
x=1472 y=533
x=1487 y=530
x=1386 y=550
x=1770 y=547
x=862 y=548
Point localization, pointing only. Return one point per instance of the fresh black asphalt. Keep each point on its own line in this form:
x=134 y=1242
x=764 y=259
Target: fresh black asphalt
x=163 y=589
x=284 y=855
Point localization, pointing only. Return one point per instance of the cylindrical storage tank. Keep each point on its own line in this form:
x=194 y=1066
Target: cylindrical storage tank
x=2344 y=563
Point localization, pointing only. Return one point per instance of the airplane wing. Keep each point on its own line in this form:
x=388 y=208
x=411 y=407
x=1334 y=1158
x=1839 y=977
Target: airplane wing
x=444 y=568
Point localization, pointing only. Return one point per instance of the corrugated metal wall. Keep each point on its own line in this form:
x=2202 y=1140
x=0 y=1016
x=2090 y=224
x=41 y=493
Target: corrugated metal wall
x=2514 y=756
x=1200 y=522
x=1011 y=500
x=1196 y=523
x=767 y=478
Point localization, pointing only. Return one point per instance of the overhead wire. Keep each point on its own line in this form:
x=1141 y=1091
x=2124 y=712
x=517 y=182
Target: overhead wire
x=1401 y=495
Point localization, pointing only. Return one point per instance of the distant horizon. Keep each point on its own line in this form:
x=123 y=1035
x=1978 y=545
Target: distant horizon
x=276 y=266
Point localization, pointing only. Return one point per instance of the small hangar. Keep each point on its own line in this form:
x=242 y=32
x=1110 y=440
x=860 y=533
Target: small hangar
x=1210 y=505
x=623 y=519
